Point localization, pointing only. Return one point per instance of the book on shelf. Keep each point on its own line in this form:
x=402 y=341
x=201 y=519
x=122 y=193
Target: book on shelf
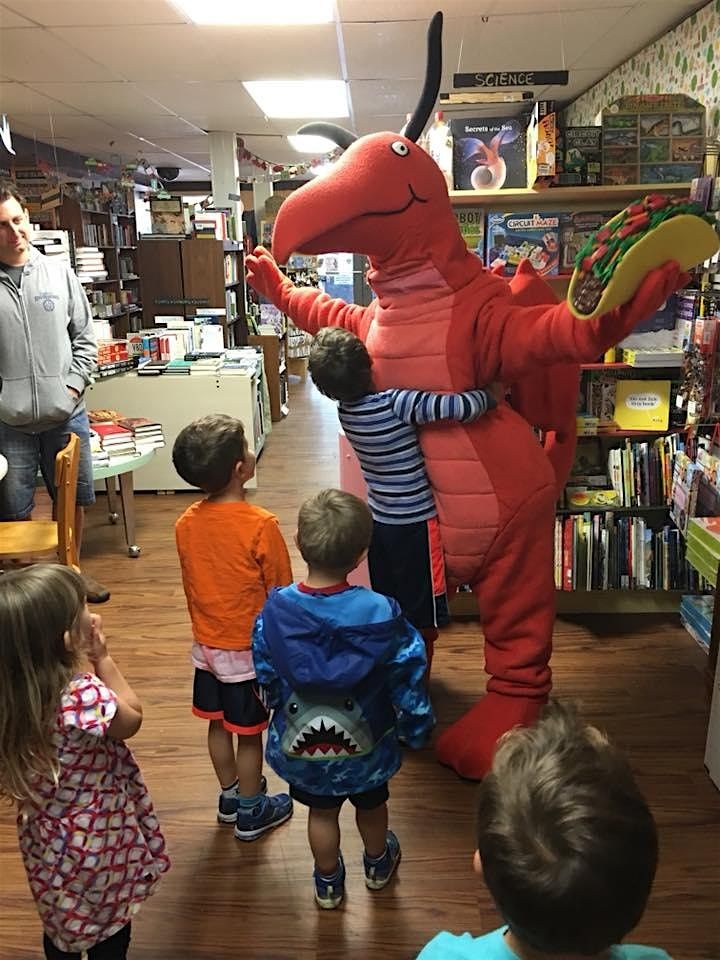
x=671 y=357
x=696 y=614
x=686 y=480
x=642 y=404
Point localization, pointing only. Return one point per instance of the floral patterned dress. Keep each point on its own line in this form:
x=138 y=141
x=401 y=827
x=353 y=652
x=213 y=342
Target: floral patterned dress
x=91 y=843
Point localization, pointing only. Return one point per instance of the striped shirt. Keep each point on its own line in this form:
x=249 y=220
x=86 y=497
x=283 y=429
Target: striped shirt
x=381 y=429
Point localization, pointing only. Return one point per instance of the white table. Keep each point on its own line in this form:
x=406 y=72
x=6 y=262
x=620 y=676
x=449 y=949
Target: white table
x=123 y=468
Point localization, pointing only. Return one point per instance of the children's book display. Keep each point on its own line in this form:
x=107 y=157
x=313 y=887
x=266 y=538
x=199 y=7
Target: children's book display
x=489 y=153
x=512 y=237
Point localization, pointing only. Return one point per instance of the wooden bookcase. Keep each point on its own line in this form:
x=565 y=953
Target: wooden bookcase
x=571 y=199
x=276 y=373
x=119 y=247
x=180 y=276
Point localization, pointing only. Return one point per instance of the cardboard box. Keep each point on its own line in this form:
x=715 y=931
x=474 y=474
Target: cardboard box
x=541 y=144
x=489 y=153
x=512 y=237
x=471 y=221
x=582 y=157
x=575 y=230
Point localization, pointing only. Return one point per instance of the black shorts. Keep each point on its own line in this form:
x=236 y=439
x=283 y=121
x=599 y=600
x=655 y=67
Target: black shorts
x=238 y=705
x=361 y=801
x=406 y=562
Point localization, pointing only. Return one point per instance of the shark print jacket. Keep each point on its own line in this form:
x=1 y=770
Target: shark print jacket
x=343 y=672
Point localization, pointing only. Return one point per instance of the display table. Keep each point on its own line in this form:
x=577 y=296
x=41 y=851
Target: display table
x=123 y=468
x=174 y=402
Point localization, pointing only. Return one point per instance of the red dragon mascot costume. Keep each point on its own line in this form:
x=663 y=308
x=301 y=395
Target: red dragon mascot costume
x=441 y=322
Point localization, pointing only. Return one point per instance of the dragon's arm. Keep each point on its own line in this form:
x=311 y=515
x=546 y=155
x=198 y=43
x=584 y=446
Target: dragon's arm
x=307 y=307
x=514 y=340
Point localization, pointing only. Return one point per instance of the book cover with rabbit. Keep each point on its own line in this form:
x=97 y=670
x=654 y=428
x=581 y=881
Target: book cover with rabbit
x=489 y=153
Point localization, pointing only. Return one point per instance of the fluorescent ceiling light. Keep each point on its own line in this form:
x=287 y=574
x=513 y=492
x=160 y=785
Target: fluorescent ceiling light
x=305 y=143
x=296 y=99
x=277 y=13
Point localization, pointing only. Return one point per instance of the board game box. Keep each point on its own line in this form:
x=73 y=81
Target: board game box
x=512 y=237
x=582 y=156
x=471 y=221
x=575 y=230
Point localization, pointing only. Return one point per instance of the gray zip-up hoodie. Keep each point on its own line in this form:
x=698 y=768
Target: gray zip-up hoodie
x=47 y=344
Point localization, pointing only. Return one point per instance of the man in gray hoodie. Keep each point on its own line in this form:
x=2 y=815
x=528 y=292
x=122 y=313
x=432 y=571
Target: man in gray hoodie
x=47 y=357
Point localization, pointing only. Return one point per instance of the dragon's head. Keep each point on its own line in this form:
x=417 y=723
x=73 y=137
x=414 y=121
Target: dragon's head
x=385 y=197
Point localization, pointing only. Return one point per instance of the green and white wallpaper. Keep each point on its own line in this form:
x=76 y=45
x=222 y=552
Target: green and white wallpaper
x=686 y=60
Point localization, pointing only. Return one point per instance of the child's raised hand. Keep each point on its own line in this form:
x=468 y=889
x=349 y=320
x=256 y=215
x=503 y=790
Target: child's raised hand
x=96 y=644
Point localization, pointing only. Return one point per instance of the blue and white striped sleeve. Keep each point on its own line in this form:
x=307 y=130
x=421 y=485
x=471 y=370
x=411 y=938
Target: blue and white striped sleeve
x=417 y=407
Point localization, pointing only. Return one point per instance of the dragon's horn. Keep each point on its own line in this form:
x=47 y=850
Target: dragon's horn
x=331 y=131
x=433 y=72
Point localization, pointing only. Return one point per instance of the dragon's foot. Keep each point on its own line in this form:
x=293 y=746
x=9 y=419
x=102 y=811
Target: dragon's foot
x=469 y=744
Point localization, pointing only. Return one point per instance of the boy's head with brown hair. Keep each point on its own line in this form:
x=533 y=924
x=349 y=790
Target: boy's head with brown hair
x=334 y=530
x=339 y=364
x=212 y=452
x=566 y=843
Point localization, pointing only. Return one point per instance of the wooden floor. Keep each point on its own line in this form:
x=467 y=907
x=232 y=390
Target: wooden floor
x=638 y=678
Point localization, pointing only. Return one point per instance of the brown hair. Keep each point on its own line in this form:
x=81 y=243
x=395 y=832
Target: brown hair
x=205 y=451
x=339 y=364
x=334 y=528
x=8 y=191
x=567 y=842
x=38 y=606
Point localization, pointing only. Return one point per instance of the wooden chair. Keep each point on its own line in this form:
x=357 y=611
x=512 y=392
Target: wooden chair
x=23 y=538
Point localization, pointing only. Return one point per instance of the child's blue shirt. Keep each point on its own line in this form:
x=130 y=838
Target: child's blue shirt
x=344 y=673
x=448 y=946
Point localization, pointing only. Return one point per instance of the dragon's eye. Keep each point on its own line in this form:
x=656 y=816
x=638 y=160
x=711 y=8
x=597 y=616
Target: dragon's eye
x=400 y=148
x=292 y=707
x=349 y=705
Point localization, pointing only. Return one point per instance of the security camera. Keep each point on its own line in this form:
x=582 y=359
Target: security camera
x=168 y=173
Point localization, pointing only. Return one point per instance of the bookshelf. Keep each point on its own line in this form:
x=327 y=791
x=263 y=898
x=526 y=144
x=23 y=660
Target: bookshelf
x=560 y=197
x=274 y=349
x=182 y=276
x=115 y=299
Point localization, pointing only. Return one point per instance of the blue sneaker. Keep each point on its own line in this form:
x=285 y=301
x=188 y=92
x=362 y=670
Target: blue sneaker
x=228 y=806
x=269 y=813
x=329 y=891
x=378 y=873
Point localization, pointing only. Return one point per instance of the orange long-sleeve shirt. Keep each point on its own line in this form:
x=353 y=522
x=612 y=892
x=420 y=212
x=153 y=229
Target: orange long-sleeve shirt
x=231 y=556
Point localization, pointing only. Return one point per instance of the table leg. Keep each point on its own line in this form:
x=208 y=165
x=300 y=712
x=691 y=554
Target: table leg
x=111 y=489
x=128 y=505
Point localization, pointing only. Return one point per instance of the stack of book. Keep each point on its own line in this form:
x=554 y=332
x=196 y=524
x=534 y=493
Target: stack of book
x=117 y=441
x=100 y=457
x=90 y=264
x=147 y=434
x=696 y=614
x=206 y=366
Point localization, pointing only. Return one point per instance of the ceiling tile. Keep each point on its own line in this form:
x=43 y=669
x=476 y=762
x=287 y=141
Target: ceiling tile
x=51 y=13
x=8 y=18
x=117 y=97
x=19 y=98
x=153 y=126
x=37 y=55
x=183 y=145
x=385 y=96
x=186 y=52
x=378 y=124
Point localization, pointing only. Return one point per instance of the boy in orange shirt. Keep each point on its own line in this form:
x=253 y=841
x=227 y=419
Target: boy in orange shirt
x=232 y=555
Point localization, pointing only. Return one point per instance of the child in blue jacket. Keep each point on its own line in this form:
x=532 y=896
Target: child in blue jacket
x=343 y=672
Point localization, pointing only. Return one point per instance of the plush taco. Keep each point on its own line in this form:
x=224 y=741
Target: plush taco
x=611 y=265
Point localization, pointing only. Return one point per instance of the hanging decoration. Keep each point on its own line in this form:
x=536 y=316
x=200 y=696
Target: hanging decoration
x=265 y=170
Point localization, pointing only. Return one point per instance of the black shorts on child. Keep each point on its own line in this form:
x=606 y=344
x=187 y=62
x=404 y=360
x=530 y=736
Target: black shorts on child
x=406 y=562
x=361 y=801
x=238 y=705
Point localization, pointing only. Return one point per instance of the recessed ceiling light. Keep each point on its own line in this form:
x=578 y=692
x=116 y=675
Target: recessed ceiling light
x=277 y=13
x=300 y=99
x=305 y=143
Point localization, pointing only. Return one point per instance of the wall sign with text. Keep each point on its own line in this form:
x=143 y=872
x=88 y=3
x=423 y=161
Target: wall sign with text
x=512 y=78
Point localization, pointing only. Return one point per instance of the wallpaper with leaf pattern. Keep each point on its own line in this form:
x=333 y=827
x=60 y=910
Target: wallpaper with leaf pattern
x=686 y=60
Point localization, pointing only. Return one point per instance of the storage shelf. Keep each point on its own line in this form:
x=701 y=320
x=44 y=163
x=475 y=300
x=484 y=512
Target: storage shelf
x=127 y=248
x=578 y=511
x=578 y=602
x=557 y=196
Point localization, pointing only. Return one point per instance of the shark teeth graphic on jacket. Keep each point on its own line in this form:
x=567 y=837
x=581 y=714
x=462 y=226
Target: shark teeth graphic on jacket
x=324 y=735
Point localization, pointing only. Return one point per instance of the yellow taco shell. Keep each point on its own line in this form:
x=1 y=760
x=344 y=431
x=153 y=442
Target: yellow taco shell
x=686 y=238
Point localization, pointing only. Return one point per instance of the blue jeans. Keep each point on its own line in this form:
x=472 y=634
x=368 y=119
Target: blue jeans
x=28 y=452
